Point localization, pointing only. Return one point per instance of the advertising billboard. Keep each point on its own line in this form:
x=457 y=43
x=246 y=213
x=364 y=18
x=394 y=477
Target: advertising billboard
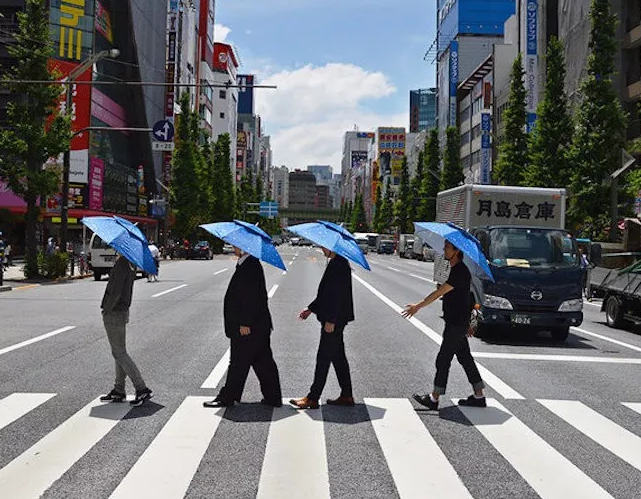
x=72 y=24
x=103 y=22
x=454 y=77
x=391 y=139
x=531 y=61
x=486 y=148
x=359 y=159
x=241 y=141
x=246 y=94
x=225 y=59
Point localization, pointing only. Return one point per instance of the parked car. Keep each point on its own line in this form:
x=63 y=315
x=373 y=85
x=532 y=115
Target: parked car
x=363 y=244
x=385 y=247
x=102 y=257
x=202 y=250
x=227 y=249
x=294 y=241
x=278 y=240
x=305 y=242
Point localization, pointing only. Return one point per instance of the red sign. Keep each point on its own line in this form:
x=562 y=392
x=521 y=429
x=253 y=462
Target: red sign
x=225 y=59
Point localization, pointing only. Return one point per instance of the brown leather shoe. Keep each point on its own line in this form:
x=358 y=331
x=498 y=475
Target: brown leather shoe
x=347 y=401
x=304 y=403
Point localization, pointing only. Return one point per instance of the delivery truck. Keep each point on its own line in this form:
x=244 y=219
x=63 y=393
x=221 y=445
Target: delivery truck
x=534 y=260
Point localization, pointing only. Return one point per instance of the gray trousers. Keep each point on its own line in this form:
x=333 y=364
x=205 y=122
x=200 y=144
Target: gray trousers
x=115 y=325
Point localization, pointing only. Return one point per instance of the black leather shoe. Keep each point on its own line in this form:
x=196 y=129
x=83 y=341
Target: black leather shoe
x=272 y=404
x=218 y=403
x=472 y=401
x=426 y=401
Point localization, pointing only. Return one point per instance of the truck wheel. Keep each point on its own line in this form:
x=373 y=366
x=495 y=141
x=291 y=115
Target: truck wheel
x=614 y=312
x=560 y=333
x=97 y=275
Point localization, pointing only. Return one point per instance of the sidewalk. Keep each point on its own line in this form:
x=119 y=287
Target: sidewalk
x=15 y=275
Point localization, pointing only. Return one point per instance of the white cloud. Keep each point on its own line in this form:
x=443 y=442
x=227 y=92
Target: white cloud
x=221 y=32
x=314 y=106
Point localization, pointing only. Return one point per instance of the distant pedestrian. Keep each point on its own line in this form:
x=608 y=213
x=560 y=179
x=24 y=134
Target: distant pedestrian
x=456 y=311
x=115 y=315
x=50 y=248
x=155 y=252
x=8 y=255
x=334 y=308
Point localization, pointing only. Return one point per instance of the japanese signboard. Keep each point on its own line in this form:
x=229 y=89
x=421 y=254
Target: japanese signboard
x=241 y=141
x=531 y=62
x=359 y=159
x=454 y=76
x=486 y=148
x=72 y=24
x=96 y=179
x=103 y=22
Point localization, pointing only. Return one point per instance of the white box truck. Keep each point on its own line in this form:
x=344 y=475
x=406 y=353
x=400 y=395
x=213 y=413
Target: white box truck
x=534 y=260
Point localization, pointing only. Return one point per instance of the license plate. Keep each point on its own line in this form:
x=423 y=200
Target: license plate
x=523 y=320
x=109 y=258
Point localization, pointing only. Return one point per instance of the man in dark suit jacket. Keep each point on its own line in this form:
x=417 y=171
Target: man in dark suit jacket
x=334 y=308
x=248 y=324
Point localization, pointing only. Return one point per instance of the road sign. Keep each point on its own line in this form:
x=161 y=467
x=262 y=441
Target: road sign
x=162 y=146
x=268 y=209
x=164 y=131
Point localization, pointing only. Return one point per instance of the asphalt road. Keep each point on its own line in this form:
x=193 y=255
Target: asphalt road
x=564 y=419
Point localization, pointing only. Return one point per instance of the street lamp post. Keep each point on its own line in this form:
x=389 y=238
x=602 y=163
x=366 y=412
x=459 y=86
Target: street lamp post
x=66 y=166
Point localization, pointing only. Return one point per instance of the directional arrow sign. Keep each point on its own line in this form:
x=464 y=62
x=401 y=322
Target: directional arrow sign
x=164 y=131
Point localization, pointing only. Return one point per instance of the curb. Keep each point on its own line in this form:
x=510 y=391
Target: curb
x=5 y=288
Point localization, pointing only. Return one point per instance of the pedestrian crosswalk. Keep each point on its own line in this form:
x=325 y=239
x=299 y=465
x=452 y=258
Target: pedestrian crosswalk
x=296 y=457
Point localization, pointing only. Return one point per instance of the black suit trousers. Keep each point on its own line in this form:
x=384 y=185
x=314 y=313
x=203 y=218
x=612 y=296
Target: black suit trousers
x=253 y=350
x=331 y=350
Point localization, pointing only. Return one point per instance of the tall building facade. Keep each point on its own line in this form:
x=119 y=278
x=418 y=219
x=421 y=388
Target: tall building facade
x=225 y=96
x=280 y=186
x=422 y=109
x=302 y=190
x=354 y=163
x=323 y=173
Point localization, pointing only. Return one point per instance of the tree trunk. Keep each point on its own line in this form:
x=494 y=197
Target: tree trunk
x=31 y=218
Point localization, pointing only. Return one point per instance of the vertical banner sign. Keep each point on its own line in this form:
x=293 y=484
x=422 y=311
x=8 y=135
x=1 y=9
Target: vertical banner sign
x=531 y=62
x=170 y=78
x=453 y=82
x=486 y=148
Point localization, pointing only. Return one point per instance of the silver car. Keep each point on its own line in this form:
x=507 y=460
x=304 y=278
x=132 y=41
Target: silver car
x=363 y=244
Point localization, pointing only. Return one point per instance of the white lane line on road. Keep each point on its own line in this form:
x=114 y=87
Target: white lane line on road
x=411 y=451
x=35 y=470
x=392 y=268
x=423 y=278
x=272 y=291
x=586 y=302
x=169 y=291
x=549 y=473
x=284 y=272
x=556 y=358
x=496 y=383
x=168 y=465
x=220 y=271
x=288 y=467
x=290 y=262
x=606 y=338
x=218 y=372
x=635 y=406
x=36 y=339
x=17 y=405
x=621 y=442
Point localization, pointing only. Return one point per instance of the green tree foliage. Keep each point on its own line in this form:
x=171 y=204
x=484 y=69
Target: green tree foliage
x=36 y=131
x=359 y=220
x=513 y=149
x=387 y=206
x=376 y=221
x=415 y=190
x=224 y=189
x=452 y=174
x=430 y=183
x=348 y=212
x=402 y=205
x=599 y=131
x=552 y=136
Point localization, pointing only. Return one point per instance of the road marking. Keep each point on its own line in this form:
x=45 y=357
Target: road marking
x=557 y=358
x=291 y=262
x=220 y=271
x=496 y=383
x=586 y=302
x=549 y=473
x=36 y=339
x=59 y=450
x=168 y=465
x=411 y=452
x=295 y=456
x=606 y=338
x=284 y=272
x=621 y=442
x=17 y=405
x=218 y=372
x=423 y=278
x=392 y=268
x=169 y=291
x=635 y=406
x=272 y=291
x=28 y=286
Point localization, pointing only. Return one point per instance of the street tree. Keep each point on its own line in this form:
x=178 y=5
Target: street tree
x=513 y=149
x=404 y=200
x=376 y=219
x=223 y=180
x=551 y=138
x=452 y=174
x=430 y=183
x=415 y=189
x=387 y=210
x=359 y=220
x=599 y=131
x=348 y=211
x=36 y=131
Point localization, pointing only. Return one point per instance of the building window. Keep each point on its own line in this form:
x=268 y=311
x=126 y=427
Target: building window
x=466 y=162
x=476 y=157
x=476 y=132
x=222 y=94
x=465 y=138
x=222 y=116
x=465 y=114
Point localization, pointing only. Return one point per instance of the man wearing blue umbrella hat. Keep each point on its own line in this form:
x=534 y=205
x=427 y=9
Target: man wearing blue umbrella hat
x=456 y=312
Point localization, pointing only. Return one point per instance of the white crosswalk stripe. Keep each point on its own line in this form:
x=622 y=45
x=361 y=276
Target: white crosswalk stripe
x=416 y=463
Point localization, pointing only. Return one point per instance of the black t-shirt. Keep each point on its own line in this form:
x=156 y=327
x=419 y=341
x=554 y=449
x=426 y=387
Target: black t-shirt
x=456 y=303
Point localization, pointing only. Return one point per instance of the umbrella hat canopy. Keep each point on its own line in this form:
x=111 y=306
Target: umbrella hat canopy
x=249 y=238
x=125 y=238
x=333 y=237
x=436 y=234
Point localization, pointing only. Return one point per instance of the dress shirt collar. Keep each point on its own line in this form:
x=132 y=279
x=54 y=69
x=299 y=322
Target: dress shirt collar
x=242 y=259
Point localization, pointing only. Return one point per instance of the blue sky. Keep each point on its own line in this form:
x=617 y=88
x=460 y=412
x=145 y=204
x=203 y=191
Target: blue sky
x=336 y=62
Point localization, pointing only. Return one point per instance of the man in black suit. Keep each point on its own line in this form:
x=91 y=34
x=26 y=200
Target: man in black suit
x=248 y=324
x=334 y=308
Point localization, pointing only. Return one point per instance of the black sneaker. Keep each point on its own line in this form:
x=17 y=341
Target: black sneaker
x=113 y=396
x=472 y=401
x=141 y=397
x=426 y=401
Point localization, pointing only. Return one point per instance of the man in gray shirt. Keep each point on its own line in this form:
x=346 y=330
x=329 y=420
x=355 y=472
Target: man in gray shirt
x=115 y=315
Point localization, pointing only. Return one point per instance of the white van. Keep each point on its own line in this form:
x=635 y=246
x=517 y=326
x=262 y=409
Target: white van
x=101 y=257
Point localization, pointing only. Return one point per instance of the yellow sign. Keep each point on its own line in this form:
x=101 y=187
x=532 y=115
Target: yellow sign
x=72 y=13
x=58 y=220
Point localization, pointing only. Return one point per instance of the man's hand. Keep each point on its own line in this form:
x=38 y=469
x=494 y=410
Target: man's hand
x=329 y=327
x=245 y=331
x=410 y=310
x=304 y=314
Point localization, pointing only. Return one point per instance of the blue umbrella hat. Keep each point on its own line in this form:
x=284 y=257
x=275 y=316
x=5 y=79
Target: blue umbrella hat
x=333 y=237
x=436 y=234
x=249 y=238
x=125 y=238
